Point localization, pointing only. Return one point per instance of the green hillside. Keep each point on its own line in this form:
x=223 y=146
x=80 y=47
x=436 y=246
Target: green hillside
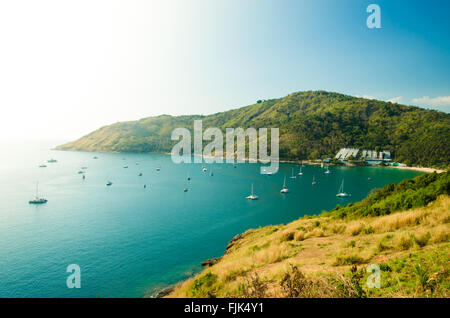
x=312 y=125
x=328 y=255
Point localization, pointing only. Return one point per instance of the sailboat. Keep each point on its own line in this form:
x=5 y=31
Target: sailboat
x=37 y=200
x=321 y=164
x=109 y=183
x=185 y=189
x=158 y=168
x=328 y=170
x=285 y=189
x=293 y=176
x=252 y=196
x=300 y=173
x=314 y=180
x=341 y=193
x=125 y=166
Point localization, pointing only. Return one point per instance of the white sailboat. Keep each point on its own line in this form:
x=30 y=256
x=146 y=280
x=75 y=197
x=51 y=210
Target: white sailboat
x=37 y=200
x=341 y=192
x=285 y=189
x=252 y=196
x=300 y=173
x=314 y=180
x=293 y=176
x=328 y=170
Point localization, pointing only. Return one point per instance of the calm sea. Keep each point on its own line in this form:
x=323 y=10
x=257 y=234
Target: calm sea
x=131 y=241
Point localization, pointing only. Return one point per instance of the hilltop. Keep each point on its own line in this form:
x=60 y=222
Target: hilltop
x=327 y=255
x=312 y=124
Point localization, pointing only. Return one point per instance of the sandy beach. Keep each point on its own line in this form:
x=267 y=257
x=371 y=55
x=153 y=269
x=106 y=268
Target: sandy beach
x=423 y=169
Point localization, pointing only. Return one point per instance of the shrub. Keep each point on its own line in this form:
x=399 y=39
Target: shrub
x=299 y=236
x=294 y=282
x=202 y=287
x=385 y=267
x=423 y=239
x=382 y=246
x=288 y=236
x=338 y=229
x=350 y=287
x=255 y=288
x=369 y=230
x=405 y=243
x=349 y=260
x=356 y=229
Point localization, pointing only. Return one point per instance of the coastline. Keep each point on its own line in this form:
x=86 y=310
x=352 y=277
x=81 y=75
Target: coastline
x=422 y=169
x=307 y=161
x=210 y=262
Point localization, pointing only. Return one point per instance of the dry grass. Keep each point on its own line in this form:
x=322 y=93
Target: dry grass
x=325 y=245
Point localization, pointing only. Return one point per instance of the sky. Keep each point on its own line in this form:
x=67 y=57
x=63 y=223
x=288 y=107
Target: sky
x=70 y=67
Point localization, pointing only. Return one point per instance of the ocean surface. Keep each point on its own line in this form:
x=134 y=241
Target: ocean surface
x=131 y=241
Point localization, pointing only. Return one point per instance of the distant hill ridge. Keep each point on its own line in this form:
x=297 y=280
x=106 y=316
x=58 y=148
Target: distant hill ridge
x=312 y=124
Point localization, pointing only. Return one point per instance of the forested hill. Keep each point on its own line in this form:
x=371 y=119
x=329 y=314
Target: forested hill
x=312 y=124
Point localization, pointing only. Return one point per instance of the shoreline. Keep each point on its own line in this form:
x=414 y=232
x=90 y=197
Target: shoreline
x=422 y=169
x=307 y=161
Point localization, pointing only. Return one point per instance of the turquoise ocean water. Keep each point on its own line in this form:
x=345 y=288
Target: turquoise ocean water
x=131 y=241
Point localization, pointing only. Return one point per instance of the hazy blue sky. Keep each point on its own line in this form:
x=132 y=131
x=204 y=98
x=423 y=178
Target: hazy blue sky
x=69 y=67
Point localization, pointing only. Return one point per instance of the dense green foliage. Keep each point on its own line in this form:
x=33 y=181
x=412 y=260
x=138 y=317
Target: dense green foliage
x=312 y=125
x=409 y=193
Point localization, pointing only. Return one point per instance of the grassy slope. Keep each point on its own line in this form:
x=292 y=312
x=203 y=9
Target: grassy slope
x=312 y=124
x=412 y=247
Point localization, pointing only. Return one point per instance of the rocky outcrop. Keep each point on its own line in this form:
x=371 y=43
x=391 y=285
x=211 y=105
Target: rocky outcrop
x=233 y=242
x=164 y=292
x=211 y=261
